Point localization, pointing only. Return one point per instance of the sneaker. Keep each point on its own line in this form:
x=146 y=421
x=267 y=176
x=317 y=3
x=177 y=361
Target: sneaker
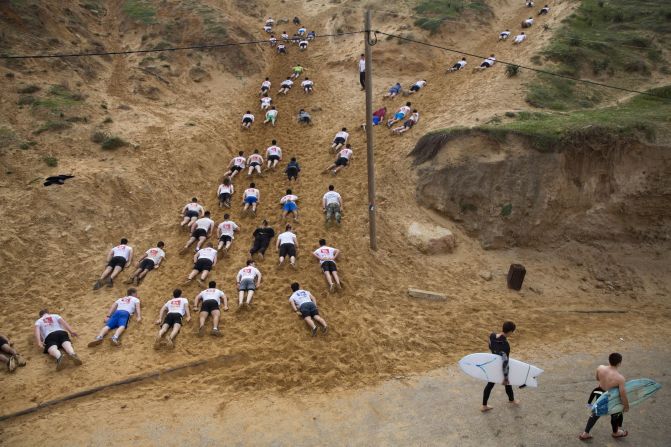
x=325 y=329
x=60 y=364
x=20 y=361
x=95 y=342
x=110 y=282
x=11 y=364
x=314 y=331
x=115 y=341
x=129 y=280
x=216 y=332
x=77 y=361
x=201 y=331
x=98 y=284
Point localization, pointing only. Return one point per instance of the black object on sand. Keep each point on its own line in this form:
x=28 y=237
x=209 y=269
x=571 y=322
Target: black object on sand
x=516 y=276
x=57 y=179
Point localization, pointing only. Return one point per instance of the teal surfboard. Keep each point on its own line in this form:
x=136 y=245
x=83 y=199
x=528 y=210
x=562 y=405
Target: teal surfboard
x=638 y=390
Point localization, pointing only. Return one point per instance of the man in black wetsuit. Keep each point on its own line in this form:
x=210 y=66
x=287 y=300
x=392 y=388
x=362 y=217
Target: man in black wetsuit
x=498 y=344
x=262 y=237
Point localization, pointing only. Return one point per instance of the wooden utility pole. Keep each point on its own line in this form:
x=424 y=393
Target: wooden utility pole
x=369 y=133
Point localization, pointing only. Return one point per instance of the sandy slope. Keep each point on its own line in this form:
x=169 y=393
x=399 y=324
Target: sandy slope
x=55 y=249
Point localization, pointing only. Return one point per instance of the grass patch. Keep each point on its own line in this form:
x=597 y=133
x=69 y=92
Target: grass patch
x=438 y=11
x=50 y=161
x=642 y=118
x=59 y=98
x=112 y=142
x=26 y=100
x=140 y=11
x=29 y=89
x=53 y=126
x=603 y=39
x=7 y=137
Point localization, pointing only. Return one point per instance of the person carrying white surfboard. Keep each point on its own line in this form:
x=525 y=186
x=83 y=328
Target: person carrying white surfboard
x=609 y=377
x=498 y=344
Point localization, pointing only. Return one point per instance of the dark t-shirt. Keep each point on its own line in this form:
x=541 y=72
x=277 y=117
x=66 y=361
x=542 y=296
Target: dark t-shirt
x=262 y=233
x=499 y=345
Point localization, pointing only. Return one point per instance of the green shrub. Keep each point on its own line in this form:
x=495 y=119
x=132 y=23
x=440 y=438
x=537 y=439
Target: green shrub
x=53 y=126
x=51 y=161
x=140 y=11
x=512 y=70
x=29 y=89
x=113 y=143
x=25 y=100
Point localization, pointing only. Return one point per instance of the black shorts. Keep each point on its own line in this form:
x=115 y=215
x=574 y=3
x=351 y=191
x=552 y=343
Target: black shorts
x=225 y=238
x=247 y=120
x=265 y=89
x=191 y=213
x=287 y=250
x=259 y=246
x=117 y=261
x=199 y=232
x=3 y=341
x=209 y=305
x=224 y=196
x=485 y=65
x=341 y=161
x=147 y=264
x=254 y=164
x=236 y=168
x=329 y=266
x=173 y=318
x=415 y=88
x=56 y=338
x=292 y=172
x=339 y=140
x=203 y=264
x=408 y=123
x=288 y=87
x=309 y=310
x=456 y=66
x=282 y=50
x=273 y=158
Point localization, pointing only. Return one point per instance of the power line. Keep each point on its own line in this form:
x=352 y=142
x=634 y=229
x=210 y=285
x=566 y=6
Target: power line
x=537 y=70
x=158 y=50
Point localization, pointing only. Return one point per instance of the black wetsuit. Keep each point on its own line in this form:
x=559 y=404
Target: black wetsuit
x=262 y=237
x=499 y=346
x=616 y=419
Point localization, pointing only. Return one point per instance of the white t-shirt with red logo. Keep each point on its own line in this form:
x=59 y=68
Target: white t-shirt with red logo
x=155 y=254
x=121 y=250
x=127 y=303
x=194 y=207
x=345 y=153
x=227 y=228
x=239 y=161
x=274 y=150
x=255 y=158
x=212 y=294
x=207 y=253
x=325 y=254
x=248 y=272
x=49 y=323
x=177 y=305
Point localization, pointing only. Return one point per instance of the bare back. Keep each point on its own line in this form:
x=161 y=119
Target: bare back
x=609 y=377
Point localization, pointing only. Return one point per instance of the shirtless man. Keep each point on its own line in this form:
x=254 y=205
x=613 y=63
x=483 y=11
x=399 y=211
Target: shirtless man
x=236 y=165
x=254 y=163
x=343 y=159
x=248 y=280
x=609 y=377
x=251 y=198
x=285 y=86
x=118 y=317
x=53 y=332
x=149 y=261
x=225 y=232
x=118 y=258
x=327 y=256
x=225 y=192
x=247 y=120
x=340 y=139
x=8 y=355
x=191 y=211
x=204 y=261
x=207 y=303
x=289 y=206
x=332 y=205
x=305 y=305
x=273 y=155
x=170 y=316
x=286 y=245
x=200 y=231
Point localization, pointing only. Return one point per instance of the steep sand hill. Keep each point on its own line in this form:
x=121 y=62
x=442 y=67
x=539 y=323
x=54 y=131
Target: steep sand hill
x=54 y=249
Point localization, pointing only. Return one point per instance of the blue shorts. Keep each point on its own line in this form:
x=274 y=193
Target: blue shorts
x=399 y=116
x=290 y=207
x=376 y=120
x=251 y=199
x=118 y=319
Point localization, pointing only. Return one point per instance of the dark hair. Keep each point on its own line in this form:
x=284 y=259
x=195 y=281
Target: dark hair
x=508 y=326
x=212 y=284
x=265 y=222
x=273 y=142
x=268 y=79
x=207 y=213
x=615 y=359
x=177 y=293
x=252 y=185
x=131 y=291
x=248 y=111
x=272 y=107
x=288 y=191
x=250 y=261
x=344 y=129
x=408 y=103
x=227 y=181
x=265 y=95
x=241 y=152
x=160 y=244
x=322 y=242
x=194 y=199
x=43 y=311
x=307 y=79
x=295 y=286
x=414 y=110
x=256 y=151
x=349 y=146
x=124 y=241
x=293 y=158
x=226 y=216
x=209 y=244
x=288 y=227
x=331 y=187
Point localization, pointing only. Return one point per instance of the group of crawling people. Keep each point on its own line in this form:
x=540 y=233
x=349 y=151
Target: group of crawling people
x=301 y=38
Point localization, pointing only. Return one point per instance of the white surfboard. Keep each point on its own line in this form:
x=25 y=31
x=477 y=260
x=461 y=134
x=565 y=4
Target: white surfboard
x=489 y=367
